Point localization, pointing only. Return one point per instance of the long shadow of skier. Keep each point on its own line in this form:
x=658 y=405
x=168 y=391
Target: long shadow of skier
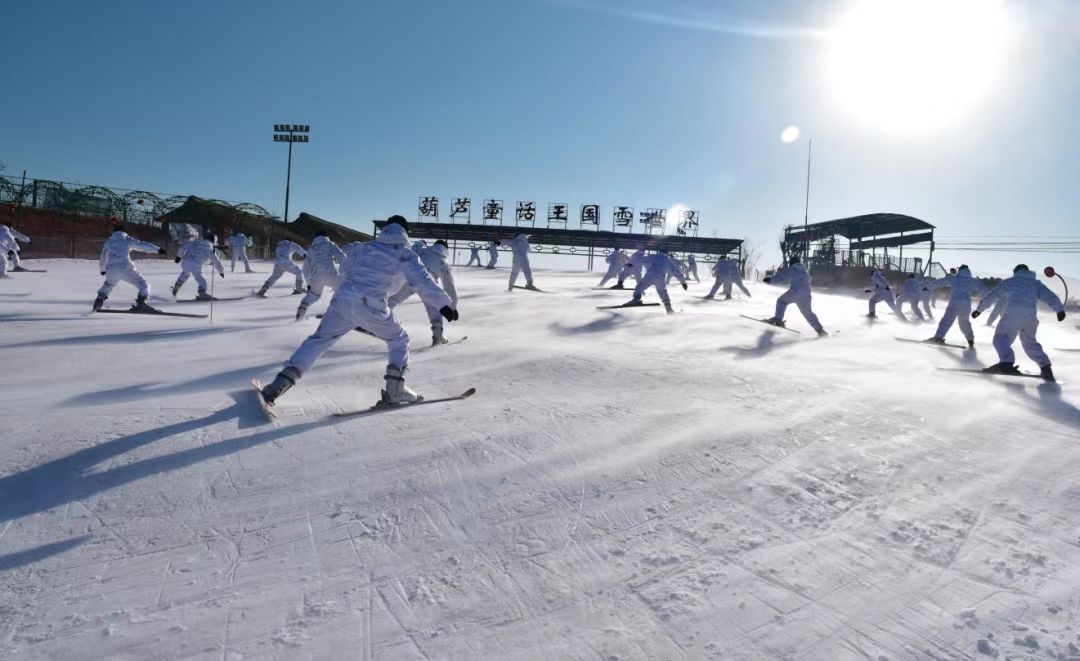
x=214 y=381
x=766 y=343
x=70 y=478
x=969 y=358
x=130 y=338
x=1048 y=402
x=38 y=553
x=595 y=326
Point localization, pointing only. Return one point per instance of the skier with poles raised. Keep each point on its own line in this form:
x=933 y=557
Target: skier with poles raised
x=881 y=293
x=1022 y=292
x=283 y=263
x=321 y=264
x=797 y=278
x=434 y=260
x=474 y=255
x=191 y=257
x=962 y=287
x=727 y=274
x=116 y=265
x=373 y=270
x=615 y=261
x=238 y=244
x=658 y=268
x=519 y=245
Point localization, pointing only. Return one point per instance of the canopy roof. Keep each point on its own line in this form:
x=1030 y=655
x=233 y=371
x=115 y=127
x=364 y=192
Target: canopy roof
x=858 y=227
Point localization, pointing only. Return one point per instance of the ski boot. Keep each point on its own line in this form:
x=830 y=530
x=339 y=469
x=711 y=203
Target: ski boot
x=1002 y=368
x=19 y=269
x=727 y=297
x=821 y=332
x=934 y=340
x=618 y=285
x=99 y=301
x=175 y=288
x=532 y=287
x=634 y=302
x=437 y=334
x=301 y=312
x=872 y=315
x=775 y=322
x=141 y=305
x=203 y=296
x=285 y=379
x=298 y=289
x=1047 y=373
x=396 y=391
x=262 y=292
x=668 y=309
x=971 y=343
x=708 y=297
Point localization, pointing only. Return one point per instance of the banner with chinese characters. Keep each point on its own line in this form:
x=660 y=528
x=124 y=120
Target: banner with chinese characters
x=688 y=222
x=558 y=213
x=590 y=215
x=653 y=219
x=493 y=212
x=461 y=209
x=622 y=217
x=428 y=208
x=525 y=213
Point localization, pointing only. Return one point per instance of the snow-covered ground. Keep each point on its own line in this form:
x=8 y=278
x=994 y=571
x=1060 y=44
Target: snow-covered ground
x=624 y=485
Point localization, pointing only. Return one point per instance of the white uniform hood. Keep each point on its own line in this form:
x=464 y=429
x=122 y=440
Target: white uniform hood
x=394 y=235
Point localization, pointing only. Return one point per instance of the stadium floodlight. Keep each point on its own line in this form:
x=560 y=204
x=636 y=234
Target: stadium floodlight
x=290 y=133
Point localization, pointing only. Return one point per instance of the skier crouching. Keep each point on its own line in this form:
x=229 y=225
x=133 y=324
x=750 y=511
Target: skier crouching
x=283 y=263
x=321 y=270
x=116 y=265
x=1022 y=292
x=798 y=280
x=372 y=270
x=658 y=268
x=881 y=293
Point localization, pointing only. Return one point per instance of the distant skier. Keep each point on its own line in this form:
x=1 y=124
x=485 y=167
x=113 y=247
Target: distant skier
x=881 y=293
x=911 y=293
x=283 y=263
x=658 y=267
x=519 y=245
x=116 y=265
x=321 y=270
x=474 y=255
x=615 y=261
x=632 y=268
x=493 y=254
x=691 y=268
x=798 y=280
x=962 y=287
x=1022 y=292
x=238 y=244
x=727 y=274
x=361 y=302
x=191 y=257
x=434 y=260
x=926 y=296
x=9 y=249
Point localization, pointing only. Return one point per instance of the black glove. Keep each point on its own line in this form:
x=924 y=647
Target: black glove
x=888 y=289
x=1061 y=316
x=767 y=280
x=221 y=273
x=975 y=314
x=177 y=260
x=684 y=286
x=28 y=242
x=103 y=273
x=450 y=313
x=925 y=289
x=161 y=251
x=867 y=290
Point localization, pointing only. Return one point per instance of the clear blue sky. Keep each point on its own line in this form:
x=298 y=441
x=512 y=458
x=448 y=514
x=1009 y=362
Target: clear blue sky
x=647 y=104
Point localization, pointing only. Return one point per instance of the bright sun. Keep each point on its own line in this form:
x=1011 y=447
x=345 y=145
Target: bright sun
x=916 y=65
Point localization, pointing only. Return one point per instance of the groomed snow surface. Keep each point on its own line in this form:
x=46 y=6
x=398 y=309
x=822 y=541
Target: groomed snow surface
x=624 y=485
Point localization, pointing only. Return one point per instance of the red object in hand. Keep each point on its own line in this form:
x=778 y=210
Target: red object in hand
x=1049 y=271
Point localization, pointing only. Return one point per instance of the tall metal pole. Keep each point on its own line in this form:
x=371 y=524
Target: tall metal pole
x=806 y=209
x=288 y=179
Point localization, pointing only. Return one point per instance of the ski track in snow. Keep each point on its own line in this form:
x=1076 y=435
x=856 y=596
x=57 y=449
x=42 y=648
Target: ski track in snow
x=622 y=486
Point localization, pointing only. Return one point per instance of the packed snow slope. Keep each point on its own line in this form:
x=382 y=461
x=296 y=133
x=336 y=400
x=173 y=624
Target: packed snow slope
x=624 y=484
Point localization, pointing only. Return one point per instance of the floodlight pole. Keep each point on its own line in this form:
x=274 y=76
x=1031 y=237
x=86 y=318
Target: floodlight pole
x=290 y=133
x=806 y=209
x=288 y=181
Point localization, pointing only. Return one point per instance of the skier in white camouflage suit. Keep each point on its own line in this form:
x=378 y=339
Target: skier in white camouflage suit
x=880 y=292
x=434 y=260
x=962 y=287
x=1022 y=292
x=373 y=270
x=238 y=244
x=926 y=296
x=493 y=254
x=283 y=262
x=911 y=292
x=691 y=267
x=632 y=268
x=727 y=274
x=658 y=268
x=191 y=257
x=474 y=255
x=321 y=270
x=615 y=261
x=798 y=280
x=519 y=245
x=9 y=248
x=116 y=265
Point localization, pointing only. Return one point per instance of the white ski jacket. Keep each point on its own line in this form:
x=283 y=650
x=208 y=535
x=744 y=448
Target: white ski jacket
x=1021 y=293
x=434 y=260
x=285 y=251
x=962 y=286
x=199 y=252
x=796 y=277
x=116 y=253
x=375 y=269
x=322 y=259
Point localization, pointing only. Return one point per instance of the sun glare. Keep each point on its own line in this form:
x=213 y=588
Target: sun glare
x=916 y=65
x=790 y=134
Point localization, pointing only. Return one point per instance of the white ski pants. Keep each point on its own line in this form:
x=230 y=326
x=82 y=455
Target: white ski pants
x=801 y=302
x=344 y=315
x=316 y=283
x=191 y=268
x=924 y=300
x=280 y=268
x=242 y=256
x=727 y=283
x=913 y=301
x=612 y=272
x=475 y=257
x=651 y=280
x=404 y=294
x=630 y=272
x=1007 y=331
x=494 y=254
x=521 y=266
x=960 y=312
x=882 y=296
x=130 y=275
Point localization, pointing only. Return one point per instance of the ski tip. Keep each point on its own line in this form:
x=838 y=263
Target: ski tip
x=469 y=393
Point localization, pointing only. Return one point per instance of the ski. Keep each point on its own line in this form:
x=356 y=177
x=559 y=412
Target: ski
x=1025 y=375
x=444 y=344
x=155 y=313
x=207 y=300
x=29 y=294
x=22 y=270
x=769 y=323
x=626 y=305
x=267 y=409
x=381 y=407
x=931 y=344
x=539 y=291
